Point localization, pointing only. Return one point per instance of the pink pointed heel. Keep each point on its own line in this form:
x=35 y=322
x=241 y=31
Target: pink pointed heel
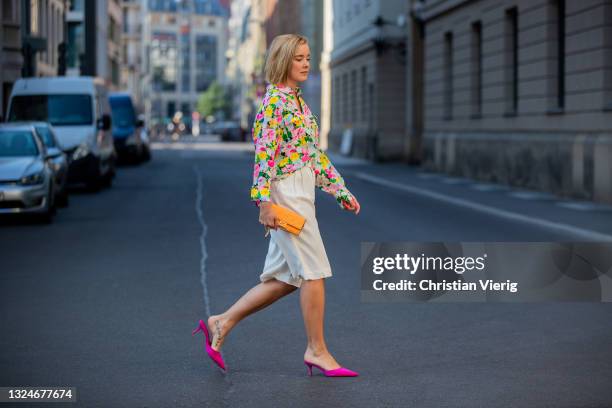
x=212 y=353
x=336 y=372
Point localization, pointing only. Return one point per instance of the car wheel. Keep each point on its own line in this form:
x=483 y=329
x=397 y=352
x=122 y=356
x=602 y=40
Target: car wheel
x=47 y=216
x=94 y=185
x=63 y=200
x=107 y=179
x=107 y=182
x=95 y=181
x=147 y=154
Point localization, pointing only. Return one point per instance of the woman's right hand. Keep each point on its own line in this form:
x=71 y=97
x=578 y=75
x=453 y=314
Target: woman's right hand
x=353 y=206
x=266 y=216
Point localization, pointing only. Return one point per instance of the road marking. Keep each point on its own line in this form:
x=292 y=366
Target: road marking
x=204 y=253
x=582 y=206
x=203 y=272
x=455 y=180
x=531 y=195
x=565 y=228
x=489 y=187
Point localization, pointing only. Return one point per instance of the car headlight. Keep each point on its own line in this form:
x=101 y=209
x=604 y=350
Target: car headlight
x=80 y=152
x=34 y=178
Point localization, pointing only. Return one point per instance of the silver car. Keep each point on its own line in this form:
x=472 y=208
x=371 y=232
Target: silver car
x=26 y=174
x=58 y=158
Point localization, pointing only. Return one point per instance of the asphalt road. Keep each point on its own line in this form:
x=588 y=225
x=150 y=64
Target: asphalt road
x=105 y=299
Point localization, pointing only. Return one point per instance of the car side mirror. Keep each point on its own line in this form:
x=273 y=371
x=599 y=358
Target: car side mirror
x=104 y=123
x=139 y=123
x=53 y=152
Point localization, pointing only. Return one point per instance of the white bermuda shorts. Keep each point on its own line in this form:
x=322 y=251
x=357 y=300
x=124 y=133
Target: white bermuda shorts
x=291 y=258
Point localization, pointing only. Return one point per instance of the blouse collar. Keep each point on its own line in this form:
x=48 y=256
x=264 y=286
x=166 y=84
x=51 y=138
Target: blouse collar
x=286 y=89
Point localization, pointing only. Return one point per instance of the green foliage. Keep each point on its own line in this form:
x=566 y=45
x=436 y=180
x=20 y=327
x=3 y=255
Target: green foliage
x=214 y=100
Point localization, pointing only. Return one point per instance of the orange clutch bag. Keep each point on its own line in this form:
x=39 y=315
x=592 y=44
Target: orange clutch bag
x=288 y=220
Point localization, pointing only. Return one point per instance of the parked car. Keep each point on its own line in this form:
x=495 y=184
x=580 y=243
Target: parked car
x=229 y=131
x=146 y=139
x=79 y=111
x=206 y=128
x=26 y=173
x=58 y=158
x=127 y=128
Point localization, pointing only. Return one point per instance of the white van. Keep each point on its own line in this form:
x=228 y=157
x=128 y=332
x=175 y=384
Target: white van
x=79 y=111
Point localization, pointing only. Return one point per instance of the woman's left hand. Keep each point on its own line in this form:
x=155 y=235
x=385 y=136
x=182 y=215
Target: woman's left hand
x=353 y=206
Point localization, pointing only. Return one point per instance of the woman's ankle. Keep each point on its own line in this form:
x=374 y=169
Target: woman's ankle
x=224 y=321
x=316 y=350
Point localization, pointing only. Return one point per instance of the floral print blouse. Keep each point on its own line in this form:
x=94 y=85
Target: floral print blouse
x=287 y=139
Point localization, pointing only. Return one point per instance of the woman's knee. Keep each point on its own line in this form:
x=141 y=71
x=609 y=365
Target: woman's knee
x=313 y=283
x=284 y=287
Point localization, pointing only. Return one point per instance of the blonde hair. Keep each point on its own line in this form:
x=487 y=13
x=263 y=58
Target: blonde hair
x=280 y=56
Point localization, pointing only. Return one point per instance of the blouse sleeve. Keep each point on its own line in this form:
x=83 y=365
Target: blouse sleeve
x=266 y=131
x=328 y=178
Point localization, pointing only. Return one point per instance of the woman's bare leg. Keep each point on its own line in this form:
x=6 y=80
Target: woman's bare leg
x=312 y=300
x=257 y=298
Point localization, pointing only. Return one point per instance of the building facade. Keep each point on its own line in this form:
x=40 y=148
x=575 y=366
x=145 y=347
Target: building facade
x=519 y=92
x=253 y=26
x=183 y=53
x=11 y=60
x=131 y=49
x=303 y=17
x=245 y=58
x=94 y=40
x=32 y=31
x=367 y=70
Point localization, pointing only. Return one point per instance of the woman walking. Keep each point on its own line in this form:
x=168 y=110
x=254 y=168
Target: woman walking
x=288 y=165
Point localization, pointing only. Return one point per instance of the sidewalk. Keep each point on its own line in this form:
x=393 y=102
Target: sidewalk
x=585 y=219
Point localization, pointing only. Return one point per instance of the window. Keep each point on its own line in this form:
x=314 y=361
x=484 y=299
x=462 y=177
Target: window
x=34 y=17
x=205 y=61
x=16 y=143
x=345 y=97
x=45 y=135
x=557 y=56
x=353 y=102
x=59 y=110
x=448 y=75
x=122 y=112
x=171 y=109
x=511 y=61
x=371 y=102
x=364 y=97
x=476 y=85
x=114 y=71
x=185 y=109
x=7 y=10
x=163 y=61
x=126 y=21
x=77 y=5
x=608 y=57
x=336 y=99
x=185 y=59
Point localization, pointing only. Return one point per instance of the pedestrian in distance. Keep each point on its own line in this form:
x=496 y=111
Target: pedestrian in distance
x=288 y=165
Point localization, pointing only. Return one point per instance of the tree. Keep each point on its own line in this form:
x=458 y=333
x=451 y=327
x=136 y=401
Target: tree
x=214 y=100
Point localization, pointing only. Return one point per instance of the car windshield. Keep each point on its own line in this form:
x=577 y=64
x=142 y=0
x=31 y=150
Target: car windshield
x=45 y=135
x=122 y=112
x=14 y=143
x=59 y=110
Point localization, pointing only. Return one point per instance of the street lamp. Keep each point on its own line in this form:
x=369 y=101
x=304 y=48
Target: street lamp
x=382 y=43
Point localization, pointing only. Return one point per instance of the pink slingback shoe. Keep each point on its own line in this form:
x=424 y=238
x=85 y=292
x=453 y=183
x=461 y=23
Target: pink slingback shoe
x=336 y=372
x=212 y=353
